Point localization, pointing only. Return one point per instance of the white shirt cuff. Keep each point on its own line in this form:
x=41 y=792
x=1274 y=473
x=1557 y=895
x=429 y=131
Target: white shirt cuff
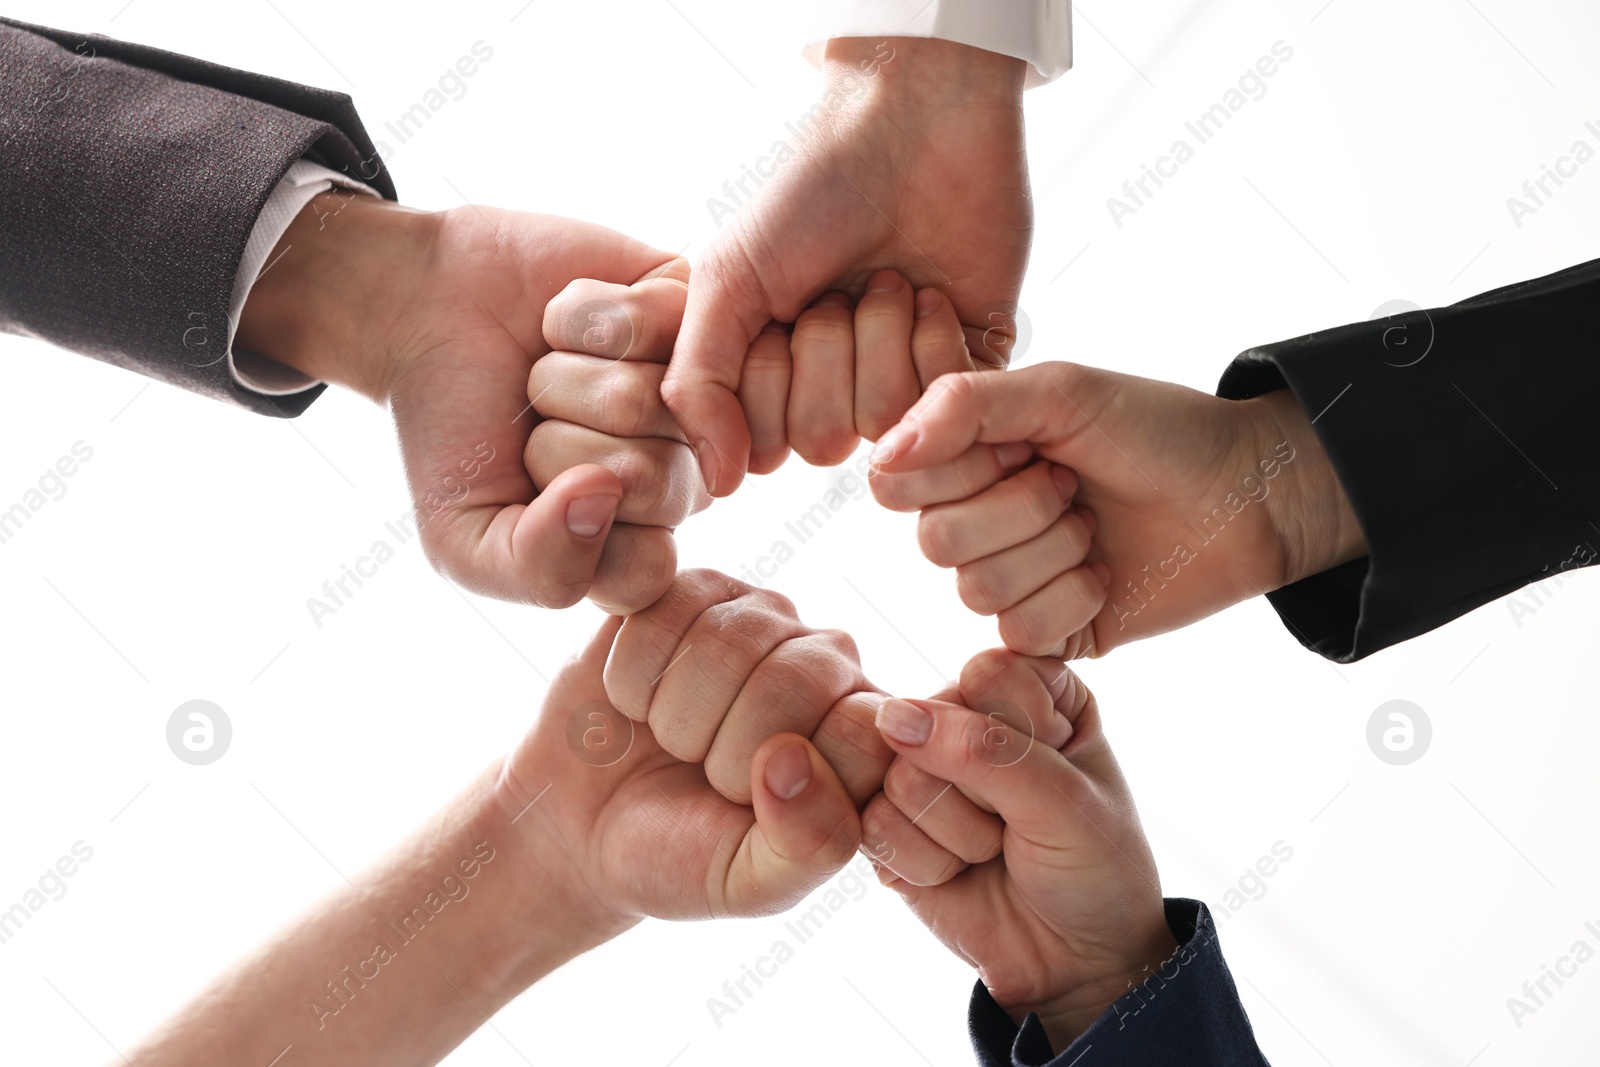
x=1038 y=31
x=294 y=191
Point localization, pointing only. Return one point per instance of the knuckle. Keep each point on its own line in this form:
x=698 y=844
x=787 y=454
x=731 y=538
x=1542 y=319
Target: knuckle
x=907 y=786
x=891 y=491
x=978 y=589
x=644 y=478
x=675 y=390
x=1072 y=533
x=982 y=671
x=829 y=326
x=787 y=682
x=978 y=739
x=645 y=561
x=735 y=647
x=843 y=645
x=1040 y=502
x=629 y=405
x=948 y=867
x=1027 y=632
x=552 y=593
x=774 y=602
x=877 y=415
x=1063 y=375
x=849 y=740
x=936 y=538
x=880 y=822
x=957 y=387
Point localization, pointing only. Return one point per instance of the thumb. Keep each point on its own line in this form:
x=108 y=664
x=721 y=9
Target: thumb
x=1045 y=402
x=1022 y=779
x=806 y=827
x=726 y=310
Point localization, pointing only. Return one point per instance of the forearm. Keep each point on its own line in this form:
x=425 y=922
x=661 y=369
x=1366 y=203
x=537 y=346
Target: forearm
x=1456 y=434
x=1184 y=1010
x=142 y=196
x=339 y=279
x=398 y=969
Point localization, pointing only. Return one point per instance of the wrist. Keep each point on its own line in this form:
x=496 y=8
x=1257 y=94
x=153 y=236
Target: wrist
x=335 y=284
x=1309 y=508
x=906 y=72
x=1068 y=1016
x=560 y=902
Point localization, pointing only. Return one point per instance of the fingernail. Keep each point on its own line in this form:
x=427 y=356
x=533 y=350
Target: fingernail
x=788 y=772
x=896 y=441
x=710 y=466
x=1089 y=520
x=928 y=301
x=1103 y=573
x=886 y=281
x=1066 y=480
x=1013 y=454
x=588 y=515
x=903 y=721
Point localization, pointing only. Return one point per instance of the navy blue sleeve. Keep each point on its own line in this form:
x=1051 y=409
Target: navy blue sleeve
x=1187 y=1014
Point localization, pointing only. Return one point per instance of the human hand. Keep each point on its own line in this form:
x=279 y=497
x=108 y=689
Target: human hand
x=599 y=401
x=1034 y=868
x=1197 y=503
x=441 y=316
x=894 y=343
x=916 y=163
x=705 y=757
x=589 y=825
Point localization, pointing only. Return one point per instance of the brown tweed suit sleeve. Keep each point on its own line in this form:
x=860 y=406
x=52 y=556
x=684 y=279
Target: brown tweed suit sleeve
x=130 y=179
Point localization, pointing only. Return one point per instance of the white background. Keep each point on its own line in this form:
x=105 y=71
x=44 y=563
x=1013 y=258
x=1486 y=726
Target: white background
x=1376 y=167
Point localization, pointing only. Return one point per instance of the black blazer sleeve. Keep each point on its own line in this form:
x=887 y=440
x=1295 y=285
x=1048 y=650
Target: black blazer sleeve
x=1187 y=1014
x=131 y=180
x=1465 y=437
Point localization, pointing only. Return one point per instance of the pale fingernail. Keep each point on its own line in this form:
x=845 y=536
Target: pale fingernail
x=903 y=721
x=710 y=466
x=928 y=301
x=1089 y=520
x=588 y=515
x=788 y=772
x=898 y=440
x=886 y=281
x=1103 y=573
x=1013 y=454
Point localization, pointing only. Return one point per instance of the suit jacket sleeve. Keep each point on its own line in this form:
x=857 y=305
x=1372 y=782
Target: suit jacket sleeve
x=133 y=179
x=1464 y=438
x=1187 y=1014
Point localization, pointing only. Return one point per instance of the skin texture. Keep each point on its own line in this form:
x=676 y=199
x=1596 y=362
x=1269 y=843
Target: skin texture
x=583 y=830
x=794 y=385
x=1031 y=866
x=1156 y=465
x=1034 y=868
x=916 y=163
x=443 y=317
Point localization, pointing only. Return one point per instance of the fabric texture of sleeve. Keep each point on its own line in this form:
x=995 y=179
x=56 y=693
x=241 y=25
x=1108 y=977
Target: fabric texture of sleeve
x=1038 y=31
x=134 y=180
x=1187 y=1014
x=1458 y=435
